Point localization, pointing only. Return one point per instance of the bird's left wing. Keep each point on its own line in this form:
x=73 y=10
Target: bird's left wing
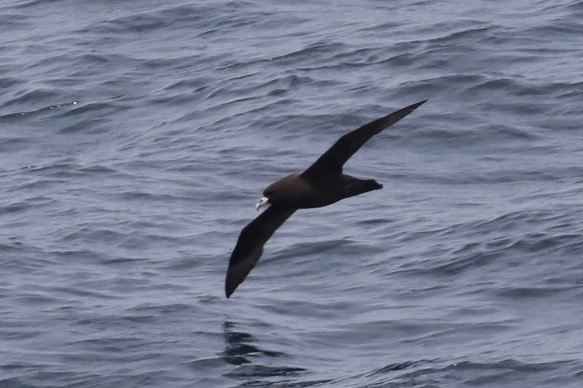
x=250 y=244
x=331 y=161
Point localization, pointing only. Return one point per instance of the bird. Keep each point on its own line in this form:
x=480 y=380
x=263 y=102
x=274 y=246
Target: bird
x=321 y=184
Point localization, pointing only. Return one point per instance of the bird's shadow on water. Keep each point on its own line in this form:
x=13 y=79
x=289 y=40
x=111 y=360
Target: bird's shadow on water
x=254 y=365
x=240 y=348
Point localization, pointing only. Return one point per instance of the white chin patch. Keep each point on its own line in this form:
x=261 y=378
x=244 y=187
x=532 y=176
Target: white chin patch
x=262 y=202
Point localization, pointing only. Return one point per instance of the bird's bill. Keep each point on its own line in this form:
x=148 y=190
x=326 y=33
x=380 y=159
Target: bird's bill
x=262 y=202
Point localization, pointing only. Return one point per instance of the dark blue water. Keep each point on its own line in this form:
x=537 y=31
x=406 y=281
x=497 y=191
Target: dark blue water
x=136 y=137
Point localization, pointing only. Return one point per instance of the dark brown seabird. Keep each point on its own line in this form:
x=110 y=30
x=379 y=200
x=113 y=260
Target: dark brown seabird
x=322 y=184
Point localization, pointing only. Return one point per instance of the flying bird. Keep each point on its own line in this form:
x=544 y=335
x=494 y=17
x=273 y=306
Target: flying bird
x=321 y=184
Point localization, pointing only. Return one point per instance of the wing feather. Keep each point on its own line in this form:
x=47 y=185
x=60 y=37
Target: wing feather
x=331 y=161
x=249 y=246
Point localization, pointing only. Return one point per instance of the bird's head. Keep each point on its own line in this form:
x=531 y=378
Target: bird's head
x=270 y=196
x=262 y=202
x=280 y=192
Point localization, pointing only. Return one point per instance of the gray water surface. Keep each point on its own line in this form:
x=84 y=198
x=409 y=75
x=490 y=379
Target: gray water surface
x=136 y=137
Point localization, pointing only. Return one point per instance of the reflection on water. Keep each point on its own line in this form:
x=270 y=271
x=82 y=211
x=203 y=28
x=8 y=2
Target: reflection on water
x=238 y=345
x=252 y=362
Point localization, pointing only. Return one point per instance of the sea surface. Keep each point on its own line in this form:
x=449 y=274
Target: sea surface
x=136 y=137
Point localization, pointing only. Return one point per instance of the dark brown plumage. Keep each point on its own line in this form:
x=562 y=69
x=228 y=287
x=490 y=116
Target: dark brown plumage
x=322 y=184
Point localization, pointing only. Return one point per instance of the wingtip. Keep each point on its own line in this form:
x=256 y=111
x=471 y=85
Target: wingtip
x=418 y=104
x=232 y=281
x=229 y=289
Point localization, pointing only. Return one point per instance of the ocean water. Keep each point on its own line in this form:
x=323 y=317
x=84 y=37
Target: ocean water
x=136 y=137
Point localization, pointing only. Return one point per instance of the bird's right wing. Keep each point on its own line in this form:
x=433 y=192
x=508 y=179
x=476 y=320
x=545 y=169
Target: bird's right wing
x=331 y=161
x=250 y=244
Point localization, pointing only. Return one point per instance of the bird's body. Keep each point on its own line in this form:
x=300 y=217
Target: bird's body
x=322 y=184
x=304 y=192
